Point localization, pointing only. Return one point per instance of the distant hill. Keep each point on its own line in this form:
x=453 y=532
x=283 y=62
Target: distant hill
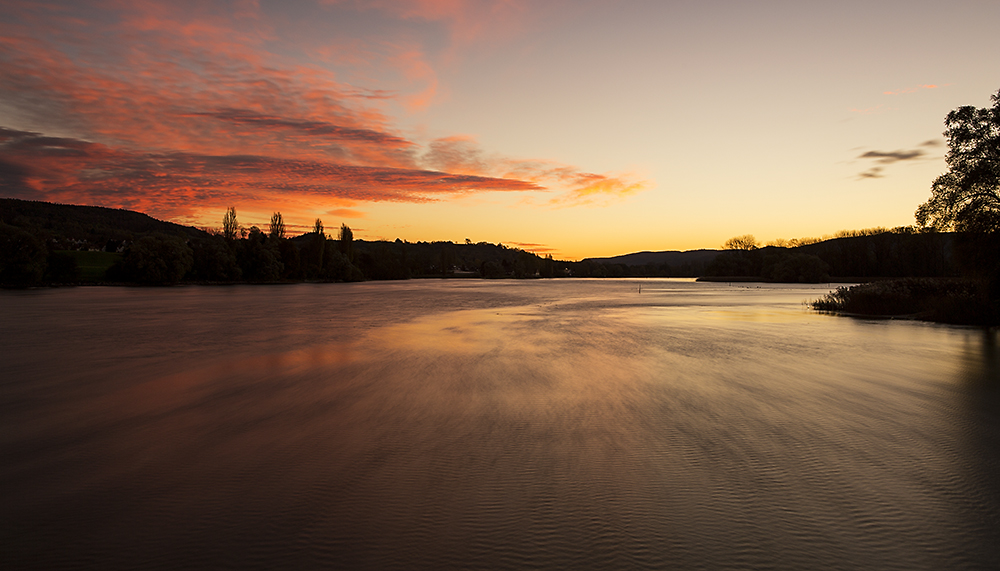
x=889 y=254
x=92 y=224
x=854 y=258
x=670 y=257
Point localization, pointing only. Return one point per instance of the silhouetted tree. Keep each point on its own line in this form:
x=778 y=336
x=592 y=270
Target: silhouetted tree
x=744 y=242
x=336 y=266
x=491 y=269
x=155 y=259
x=796 y=267
x=258 y=259
x=276 y=231
x=213 y=261
x=230 y=227
x=735 y=263
x=291 y=260
x=967 y=197
x=346 y=239
x=312 y=254
x=447 y=258
x=548 y=267
x=22 y=256
x=61 y=268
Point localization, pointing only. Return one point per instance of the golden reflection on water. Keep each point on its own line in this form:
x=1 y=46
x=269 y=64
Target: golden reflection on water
x=166 y=392
x=470 y=332
x=759 y=315
x=574 y=430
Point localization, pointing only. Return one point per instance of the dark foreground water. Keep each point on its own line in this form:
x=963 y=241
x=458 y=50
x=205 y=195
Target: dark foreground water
x=470 y=424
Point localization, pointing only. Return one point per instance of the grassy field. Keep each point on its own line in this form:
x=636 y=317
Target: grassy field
x=92 y=265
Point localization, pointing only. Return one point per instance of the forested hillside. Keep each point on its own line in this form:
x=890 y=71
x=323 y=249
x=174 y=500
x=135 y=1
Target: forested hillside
x=854 y=258
x=54 y=243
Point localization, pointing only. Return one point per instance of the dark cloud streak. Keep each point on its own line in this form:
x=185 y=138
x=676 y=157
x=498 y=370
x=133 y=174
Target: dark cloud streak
x=64 y=168
x=882 y=158
x=893 y=156
x=311 y=128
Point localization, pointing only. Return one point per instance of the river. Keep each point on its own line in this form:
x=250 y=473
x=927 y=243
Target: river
x=573 y=424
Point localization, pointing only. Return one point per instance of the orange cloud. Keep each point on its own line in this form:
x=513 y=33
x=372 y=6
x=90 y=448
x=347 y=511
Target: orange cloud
x=346 y=213
x=462 y=154
x=540 y=249
x=589 y=188
x=171 y=184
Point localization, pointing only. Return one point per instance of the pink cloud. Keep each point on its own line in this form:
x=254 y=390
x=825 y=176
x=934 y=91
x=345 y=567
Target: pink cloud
x=152 y=94
x=173 y=107
x=172 y=184
x=415 y=67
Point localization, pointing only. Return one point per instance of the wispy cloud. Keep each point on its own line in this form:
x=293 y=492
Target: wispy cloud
x=874 y=172
x=571 y=185
x=867 y=110
x=458 y=154
x=914 y=89
x=885 y=158
x=346 y=213
x=590 y=188
x=533 y=248
x=889 y=157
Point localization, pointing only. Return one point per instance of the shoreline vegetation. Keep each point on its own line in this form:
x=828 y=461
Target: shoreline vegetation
x=56 y=244
x=954 y=301
x=906 y=273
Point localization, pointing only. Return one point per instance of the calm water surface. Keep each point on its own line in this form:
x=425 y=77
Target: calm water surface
x=568 y=424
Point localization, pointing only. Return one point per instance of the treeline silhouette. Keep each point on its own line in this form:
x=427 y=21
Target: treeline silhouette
x=44 y=243
x=855 y=256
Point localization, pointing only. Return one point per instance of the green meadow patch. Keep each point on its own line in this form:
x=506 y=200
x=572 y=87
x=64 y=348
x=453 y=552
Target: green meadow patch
x=92 y=265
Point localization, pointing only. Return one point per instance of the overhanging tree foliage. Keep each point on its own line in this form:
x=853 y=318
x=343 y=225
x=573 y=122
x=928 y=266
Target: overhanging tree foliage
x=967 y=197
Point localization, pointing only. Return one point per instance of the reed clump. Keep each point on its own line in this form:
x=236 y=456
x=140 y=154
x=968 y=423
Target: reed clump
x=957 y=301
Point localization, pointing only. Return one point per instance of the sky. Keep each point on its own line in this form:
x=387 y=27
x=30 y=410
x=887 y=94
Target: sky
x=576 y=128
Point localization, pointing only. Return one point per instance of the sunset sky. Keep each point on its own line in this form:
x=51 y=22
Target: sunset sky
x=578 y=128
